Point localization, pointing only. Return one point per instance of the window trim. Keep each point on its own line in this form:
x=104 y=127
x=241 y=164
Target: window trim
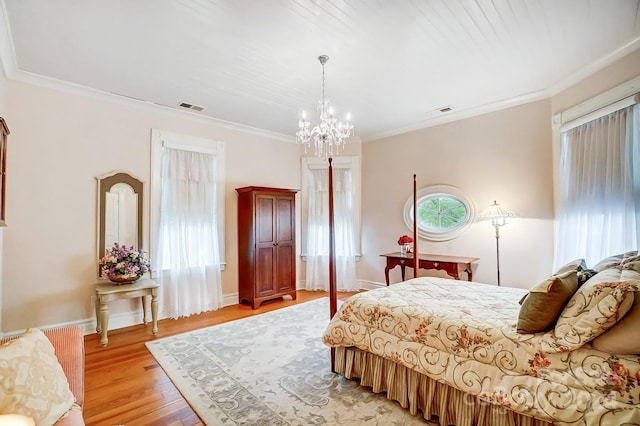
x=162 y=138
x=434 y=191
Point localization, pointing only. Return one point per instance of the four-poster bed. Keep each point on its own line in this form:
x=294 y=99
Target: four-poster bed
x=452 y=349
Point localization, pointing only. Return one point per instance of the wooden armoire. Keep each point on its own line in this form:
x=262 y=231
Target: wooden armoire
x=266 y=244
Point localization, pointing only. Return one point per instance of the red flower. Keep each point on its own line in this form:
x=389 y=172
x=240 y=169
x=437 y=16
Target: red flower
x=405 y=239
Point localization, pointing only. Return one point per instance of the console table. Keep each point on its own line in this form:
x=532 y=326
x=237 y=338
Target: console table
x=106 y=293
x=452 y=265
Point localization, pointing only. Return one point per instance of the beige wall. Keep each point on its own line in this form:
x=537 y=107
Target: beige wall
x=506 y=155
x=503 y=156
x=59 y=143
x=619 y=72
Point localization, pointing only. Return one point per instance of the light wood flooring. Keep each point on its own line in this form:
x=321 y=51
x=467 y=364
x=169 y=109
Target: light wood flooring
x=125 y=386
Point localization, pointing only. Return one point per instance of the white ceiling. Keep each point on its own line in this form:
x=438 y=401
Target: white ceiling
x=393 y=63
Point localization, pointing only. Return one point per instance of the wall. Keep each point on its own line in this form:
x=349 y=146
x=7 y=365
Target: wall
x=60 y=142
x=503 y=156
x=617 y=73
x=508 y=155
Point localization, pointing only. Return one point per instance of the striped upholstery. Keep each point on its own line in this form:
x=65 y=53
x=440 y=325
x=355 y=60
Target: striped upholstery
x=69 y=345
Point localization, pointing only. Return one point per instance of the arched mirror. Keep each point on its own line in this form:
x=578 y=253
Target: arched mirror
x=119 y=211
x=444 y=212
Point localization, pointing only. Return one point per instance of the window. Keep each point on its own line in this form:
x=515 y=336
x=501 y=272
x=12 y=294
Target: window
x=184 y=145
x=351 y=166
x=599 y=181
x=444 y=212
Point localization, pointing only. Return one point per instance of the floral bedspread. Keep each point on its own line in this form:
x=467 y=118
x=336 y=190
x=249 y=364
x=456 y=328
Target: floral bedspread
x=464 y=334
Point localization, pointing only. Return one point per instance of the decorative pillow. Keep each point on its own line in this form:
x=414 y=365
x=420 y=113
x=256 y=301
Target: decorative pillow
x=631 y=263
x=584 y=275
x=541 y=307
x=613 y=261
x=575 y=265
x=624 y=337
x=33 y=382
x=595 y=307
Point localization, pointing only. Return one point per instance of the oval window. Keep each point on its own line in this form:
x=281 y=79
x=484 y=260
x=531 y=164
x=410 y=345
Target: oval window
x=443 y=212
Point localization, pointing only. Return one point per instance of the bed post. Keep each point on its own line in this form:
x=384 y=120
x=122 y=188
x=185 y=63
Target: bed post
x=416 y=257
x=332 y=270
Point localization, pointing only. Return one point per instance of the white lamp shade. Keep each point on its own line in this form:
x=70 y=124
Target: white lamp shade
x=495 y=211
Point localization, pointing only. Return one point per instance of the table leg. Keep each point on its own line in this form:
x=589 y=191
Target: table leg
x=386 y=274
x=154 y=312
x=97 y=307
x=402 y=271
x=144 y=309
x=104 y=322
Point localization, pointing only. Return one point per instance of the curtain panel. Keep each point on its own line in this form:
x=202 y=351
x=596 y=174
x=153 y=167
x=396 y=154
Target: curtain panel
x=188 y=258
x=317 y=274
x=599 y=211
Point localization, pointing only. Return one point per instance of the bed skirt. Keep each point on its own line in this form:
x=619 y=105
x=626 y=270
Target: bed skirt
x=418 y=392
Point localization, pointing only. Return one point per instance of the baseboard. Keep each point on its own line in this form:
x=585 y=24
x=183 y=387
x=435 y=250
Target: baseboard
x=370 y=285
x=127 y=319
x=116 y=321
x=362 y=284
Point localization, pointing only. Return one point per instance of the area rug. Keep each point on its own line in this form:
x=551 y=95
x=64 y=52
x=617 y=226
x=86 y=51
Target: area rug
x=271 y=369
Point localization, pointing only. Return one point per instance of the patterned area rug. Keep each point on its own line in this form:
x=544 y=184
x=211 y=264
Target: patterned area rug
x=271 y=369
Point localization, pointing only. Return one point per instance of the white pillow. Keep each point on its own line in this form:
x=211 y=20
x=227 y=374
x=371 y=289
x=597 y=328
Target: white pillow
x=32 y=382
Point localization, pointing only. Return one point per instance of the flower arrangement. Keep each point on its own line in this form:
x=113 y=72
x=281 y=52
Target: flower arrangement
x=405 y=239
x=127 y=263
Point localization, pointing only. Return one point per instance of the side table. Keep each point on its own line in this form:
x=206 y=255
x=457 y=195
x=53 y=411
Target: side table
x=452 y=265
x=106 y=293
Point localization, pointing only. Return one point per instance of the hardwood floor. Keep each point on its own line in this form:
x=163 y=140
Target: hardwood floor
x=125 y=386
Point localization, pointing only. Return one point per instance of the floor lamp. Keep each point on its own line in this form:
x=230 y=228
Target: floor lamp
x=498 y=216
x=328 y=135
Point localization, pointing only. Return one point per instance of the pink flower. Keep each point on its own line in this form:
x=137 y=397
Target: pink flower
x=620 y=370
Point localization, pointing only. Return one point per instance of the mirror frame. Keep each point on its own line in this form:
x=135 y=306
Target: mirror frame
x=105 y=183
x=4 y=135
x=448 y=191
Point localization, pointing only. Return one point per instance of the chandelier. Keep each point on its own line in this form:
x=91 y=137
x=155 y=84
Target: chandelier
x=329 y=133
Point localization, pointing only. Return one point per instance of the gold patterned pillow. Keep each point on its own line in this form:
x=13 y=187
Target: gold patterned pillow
x=595 y=307
x=32 y=382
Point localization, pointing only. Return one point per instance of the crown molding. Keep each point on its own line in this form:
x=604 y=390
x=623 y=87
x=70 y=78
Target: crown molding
x=66 y=87
x=13 y=72
x=461 y=114
x=594 y=67
x=553 y=90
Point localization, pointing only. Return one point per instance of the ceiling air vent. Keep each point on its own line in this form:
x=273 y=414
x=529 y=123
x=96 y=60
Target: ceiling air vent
x=193 y=107
x=445 y=109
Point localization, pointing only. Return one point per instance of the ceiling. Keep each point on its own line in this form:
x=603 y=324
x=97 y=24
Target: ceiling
x=253 y=63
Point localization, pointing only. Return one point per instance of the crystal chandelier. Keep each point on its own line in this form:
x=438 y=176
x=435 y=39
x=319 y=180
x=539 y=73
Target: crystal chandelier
x=330 y=132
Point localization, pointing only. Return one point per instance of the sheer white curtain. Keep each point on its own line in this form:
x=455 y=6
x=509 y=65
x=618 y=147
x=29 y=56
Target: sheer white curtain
x=188 y=258
x=317 y=277
x=599 y=211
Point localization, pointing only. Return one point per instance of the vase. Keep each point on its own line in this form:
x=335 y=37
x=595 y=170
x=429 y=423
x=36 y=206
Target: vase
x=123 y=279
